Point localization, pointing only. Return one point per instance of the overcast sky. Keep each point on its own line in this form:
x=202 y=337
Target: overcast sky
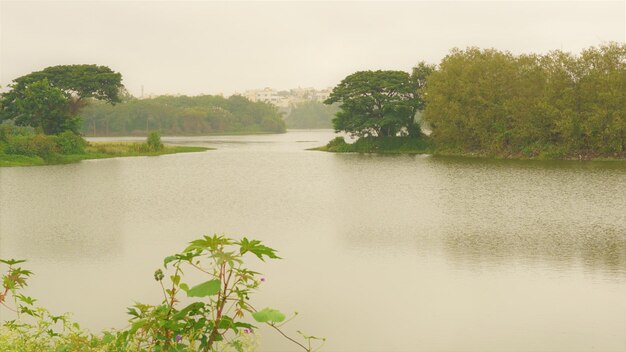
x=211 y=47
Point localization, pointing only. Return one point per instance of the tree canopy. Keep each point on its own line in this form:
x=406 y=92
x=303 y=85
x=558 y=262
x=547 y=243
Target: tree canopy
x=378 y=103
x=51 y=98
x=182 y=115
x=557 y=105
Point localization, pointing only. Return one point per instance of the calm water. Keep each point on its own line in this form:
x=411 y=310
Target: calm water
x=381 y=253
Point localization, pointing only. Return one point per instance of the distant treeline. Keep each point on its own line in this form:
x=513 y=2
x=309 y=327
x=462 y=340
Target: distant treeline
x=556 y=105
x=182 y=115
x=311 y=114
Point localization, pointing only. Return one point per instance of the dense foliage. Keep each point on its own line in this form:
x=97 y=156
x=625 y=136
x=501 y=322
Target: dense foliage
x=311 y=114
x=50 y=99
x=379 y=103
x=16 y=140
x=212 y=315
x=556 y=105
x=182 y=115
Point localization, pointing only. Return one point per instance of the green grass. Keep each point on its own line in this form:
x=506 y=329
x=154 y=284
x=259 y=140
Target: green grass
x=95 y=151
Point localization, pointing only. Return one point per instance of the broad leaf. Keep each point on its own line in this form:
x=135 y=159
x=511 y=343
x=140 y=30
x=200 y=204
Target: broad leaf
x=205 y=289
x=168 y=260
x=11 y=261
x=255 y=247
x=268 y=315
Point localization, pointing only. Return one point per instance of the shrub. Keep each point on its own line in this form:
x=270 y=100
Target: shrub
x=381 y=145
x=212 y=320
x=39 y=145
x=70 y=143
x=154 y=141
x=8 y=130
x=336 y=142
x=5 y=132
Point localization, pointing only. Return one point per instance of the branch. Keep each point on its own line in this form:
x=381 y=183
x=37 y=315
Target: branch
x=289 y=338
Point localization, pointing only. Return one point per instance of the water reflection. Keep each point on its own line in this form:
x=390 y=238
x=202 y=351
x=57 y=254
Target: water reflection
x=487 y=212
x=595 y=249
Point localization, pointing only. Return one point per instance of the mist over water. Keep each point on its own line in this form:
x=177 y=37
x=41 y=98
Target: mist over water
x=381 y=252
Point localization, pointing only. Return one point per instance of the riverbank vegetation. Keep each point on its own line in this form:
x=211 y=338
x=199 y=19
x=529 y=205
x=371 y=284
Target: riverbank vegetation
x=22 y=146
x=215 y=314
x=39 y=121
x=485 y=102
x=181 y=115
x=381 y=145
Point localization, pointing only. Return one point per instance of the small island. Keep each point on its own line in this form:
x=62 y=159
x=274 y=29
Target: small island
x=490 y=103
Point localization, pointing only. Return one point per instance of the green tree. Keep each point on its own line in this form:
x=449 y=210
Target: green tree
x=419 y=79
x=375 y=103
x=555 y=105
x=601 y=98
x=468 y=99
x=45 y=107
x=74 y=83
x=182 y=115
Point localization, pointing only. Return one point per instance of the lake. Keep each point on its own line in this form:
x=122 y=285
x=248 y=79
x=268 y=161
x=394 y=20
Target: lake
x=381 y=252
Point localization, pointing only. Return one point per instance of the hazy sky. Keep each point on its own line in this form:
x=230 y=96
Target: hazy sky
x=211 y=47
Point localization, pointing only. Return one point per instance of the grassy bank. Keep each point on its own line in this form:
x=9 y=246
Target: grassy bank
x=397 y=145
x=94 y=150
x=424 y=145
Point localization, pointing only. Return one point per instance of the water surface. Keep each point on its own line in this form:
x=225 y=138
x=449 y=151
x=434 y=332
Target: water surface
x=381 y=252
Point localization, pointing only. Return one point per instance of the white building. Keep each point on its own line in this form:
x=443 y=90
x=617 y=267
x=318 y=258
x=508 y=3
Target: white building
x=285 y=99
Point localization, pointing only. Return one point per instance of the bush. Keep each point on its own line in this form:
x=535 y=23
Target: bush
x=336 y=142
x=154 y=141
x=39 y=145
x=381 y=145
x=70 y=143
x=8 y=130
x=5 y=132
x=213 y=315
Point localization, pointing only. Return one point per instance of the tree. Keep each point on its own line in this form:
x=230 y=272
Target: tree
x=418 y=78
x=555 y=105
x=469 y=99
x=74 y=82
x=375 y=103
x=45 y=107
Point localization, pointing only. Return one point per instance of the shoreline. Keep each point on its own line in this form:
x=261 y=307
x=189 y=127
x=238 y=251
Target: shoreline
x=95 y=150
x=424 y=147
x=143 y=135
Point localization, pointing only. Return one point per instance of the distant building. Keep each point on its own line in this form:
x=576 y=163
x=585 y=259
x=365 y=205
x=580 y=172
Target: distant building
x=286 y=99
x=267 y=95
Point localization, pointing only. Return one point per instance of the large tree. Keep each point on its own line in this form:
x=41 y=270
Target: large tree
x=63 y=89
x=45 y=107
x=376 y=103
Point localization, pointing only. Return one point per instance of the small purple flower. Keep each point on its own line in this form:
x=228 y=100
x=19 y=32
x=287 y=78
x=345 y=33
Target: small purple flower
x=262 y=279
x=248 y=331
x=178 y=338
